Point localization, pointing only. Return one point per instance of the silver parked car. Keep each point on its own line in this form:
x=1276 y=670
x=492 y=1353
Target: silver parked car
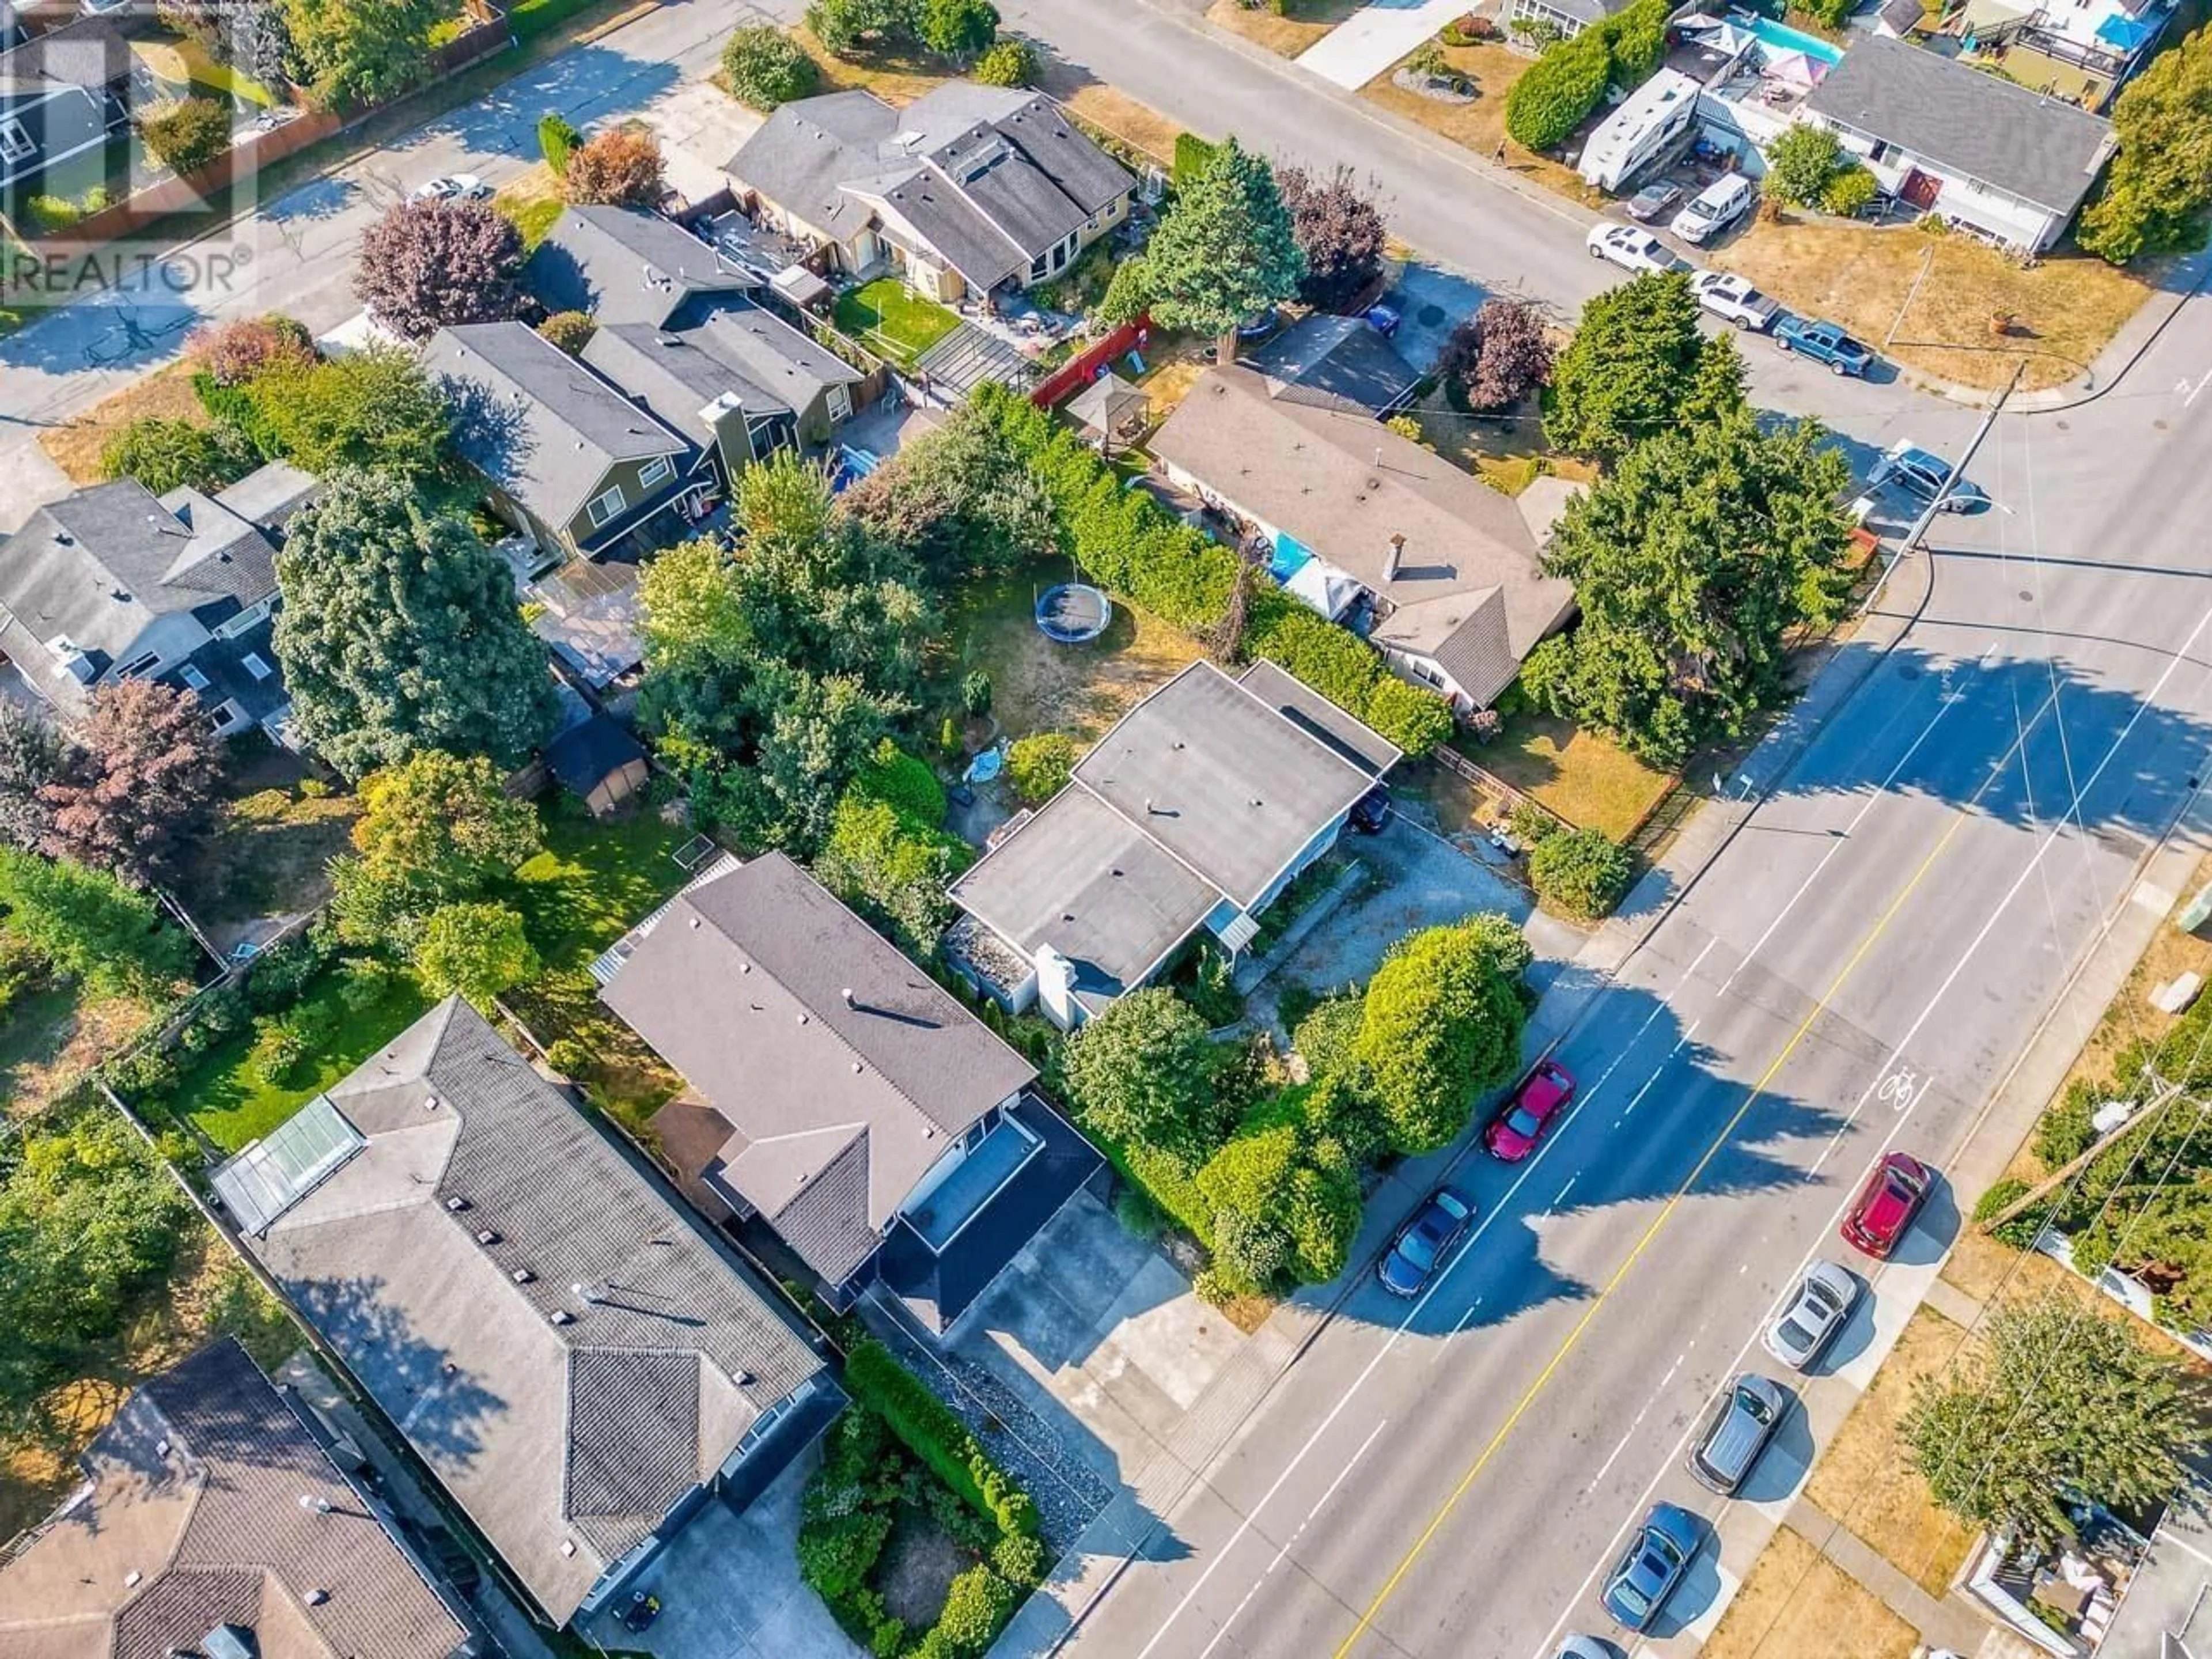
x=1816 y=1310
x=1733 y=300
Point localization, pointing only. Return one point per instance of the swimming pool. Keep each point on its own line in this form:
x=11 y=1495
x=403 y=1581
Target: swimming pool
x=1783 y=38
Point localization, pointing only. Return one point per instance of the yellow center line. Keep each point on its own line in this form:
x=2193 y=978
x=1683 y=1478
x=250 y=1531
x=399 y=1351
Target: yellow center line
x=1575 y=1336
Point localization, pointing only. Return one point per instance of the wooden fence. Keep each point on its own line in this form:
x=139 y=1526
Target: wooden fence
x=1077 y=371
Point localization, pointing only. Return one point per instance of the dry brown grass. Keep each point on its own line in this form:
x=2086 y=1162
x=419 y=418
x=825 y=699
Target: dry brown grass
x=897 y=78
x=1080 y=690
x=1137 y=125
x=1584 y=777
x=2066 y=310
x=1300 y=23
x=76 y=446
x=1865 y=1481
x=1795 y=1602
x=41 y=1062
x=1480 y=125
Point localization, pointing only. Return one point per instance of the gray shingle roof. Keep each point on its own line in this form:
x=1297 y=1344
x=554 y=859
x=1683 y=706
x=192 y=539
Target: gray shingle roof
x=735 y=348
x=1342 y=485
x=537 y=422
x=625 y=265
x=190 y=1517
x=89 y=52
x=990 y=178
x=559 y=1454
x=840 y=1107
x=1335 y=363
x=1965 y=121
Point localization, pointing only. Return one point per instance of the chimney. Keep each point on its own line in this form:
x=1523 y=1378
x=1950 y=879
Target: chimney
x=848 y=994
x=1390 y=560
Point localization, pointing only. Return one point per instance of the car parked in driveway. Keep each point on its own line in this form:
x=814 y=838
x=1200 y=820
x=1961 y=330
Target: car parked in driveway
x=1816 y=1310
x=1922 y=472
x=1656 y=1559
x=1655 y=202
x=1714 y=208
x=1735 y=1431
x=1521 y=1123
x=1371 y=813
x=1733 y=300
x=1424 y=1245
x=1824 y=343
x=1895 y=1189
x=1631 y=249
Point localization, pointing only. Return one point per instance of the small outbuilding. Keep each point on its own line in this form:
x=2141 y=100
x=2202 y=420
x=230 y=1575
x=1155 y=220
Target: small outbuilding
x=1111 y=407
x=599 y=763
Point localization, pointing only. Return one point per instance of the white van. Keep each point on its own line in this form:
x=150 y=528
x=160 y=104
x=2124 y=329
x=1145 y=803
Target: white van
x=1714 y=208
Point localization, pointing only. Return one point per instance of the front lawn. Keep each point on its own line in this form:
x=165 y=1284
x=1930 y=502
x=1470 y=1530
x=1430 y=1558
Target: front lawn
x=2065 y=311
x=1492 y=68
x=1796 y=1601
x=75 y=445
x=233 y=1101
x=531 y=202
x=1039 y=686
x=1582 y=776
x=892 y=320
x=1288 y=28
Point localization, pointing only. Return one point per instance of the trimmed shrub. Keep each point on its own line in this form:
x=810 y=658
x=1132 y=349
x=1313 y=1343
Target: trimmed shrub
x=1582 y=874
x=1530 y=824
x=937 y=1437
x=1415 y=718
x=1009 y=62
x=184 y=137
x=571 y=330
x=1561 y=88
x=766 y=68
x=975 y=692
x=1039 y=765
x=557 y=139
x=1192 y=153
x=976 y=1607
x=1850 y=192
x=166 y=454
x=904 y=783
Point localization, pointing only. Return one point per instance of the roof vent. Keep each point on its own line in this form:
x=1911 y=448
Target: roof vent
x=744 y=1379
x=522 y=1276
x=567 y=1547
x=314 y=1504
x=315 y=1598
x=486 y=1236
x=848 y=994
x=695 y=922
x=161 y=1448
x=745 y=967
x=802 y=1017
x=456 y=1204
x=132 y=1578
x=856 y=1068
x=449 y=1369
x=561 y=1316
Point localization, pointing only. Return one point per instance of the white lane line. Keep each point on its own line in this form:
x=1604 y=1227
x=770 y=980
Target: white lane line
x=1544 y=1648
x=1564 y=1191
x=1628 y=1111
x=1237 y=1612
x=1598 y=1479
x=1466 y=1253
x=1445 y=1345
x=2198 y=387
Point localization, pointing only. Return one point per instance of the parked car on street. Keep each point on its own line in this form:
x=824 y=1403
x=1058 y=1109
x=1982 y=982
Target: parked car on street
x=1736 y=1430
x=1425 y=1244
x=1922 y=472
x=1733 y=299
x=1824 y=343
x=1584 y=1647
x=1894 y=1191
x=1657 y=1557
x=1714 y=208
x=1520 y=1124
x=1631 y=249
x=452 y=187
x=1816 y=1310
x=1655 y=202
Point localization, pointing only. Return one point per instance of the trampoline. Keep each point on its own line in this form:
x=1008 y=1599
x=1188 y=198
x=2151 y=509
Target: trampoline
x=1073 y=613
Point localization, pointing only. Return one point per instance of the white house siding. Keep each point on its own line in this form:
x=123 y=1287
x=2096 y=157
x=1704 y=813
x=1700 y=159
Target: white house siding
x=1999 y=214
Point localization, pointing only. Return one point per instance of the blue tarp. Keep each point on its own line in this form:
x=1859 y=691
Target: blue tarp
x=1289 y=558
x=2126 y=34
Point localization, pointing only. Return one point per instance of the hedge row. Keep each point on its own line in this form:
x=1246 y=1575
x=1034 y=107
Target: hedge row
x=1560 y=88
x=937 y=1437
x=1129 y=545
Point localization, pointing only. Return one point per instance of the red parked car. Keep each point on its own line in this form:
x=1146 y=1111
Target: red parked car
x=1885 y=1207
x=1514 y=1132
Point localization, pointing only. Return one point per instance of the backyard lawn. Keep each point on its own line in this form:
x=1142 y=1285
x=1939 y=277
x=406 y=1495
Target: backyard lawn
x=1038 y=686
x=1585 y=778
x=2065 y=311
x=267 y=856
x=888 y=318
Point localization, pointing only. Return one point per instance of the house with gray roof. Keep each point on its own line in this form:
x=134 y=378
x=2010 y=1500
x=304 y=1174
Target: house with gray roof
x=210 y=1519
x=64 y=105
x=1194 y=811
x=114 y=582
x=966 y=189
x=1970 y=147
x=1441 y=572
x=856 y=1111
x=1335 y=363
x=1567 y=18
x=579 y=1364
x=573 y=464
x=628 y=266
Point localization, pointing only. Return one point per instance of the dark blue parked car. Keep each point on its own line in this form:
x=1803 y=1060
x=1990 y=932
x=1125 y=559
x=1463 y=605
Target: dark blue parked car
x=1657 y=1557
x=1824 y=343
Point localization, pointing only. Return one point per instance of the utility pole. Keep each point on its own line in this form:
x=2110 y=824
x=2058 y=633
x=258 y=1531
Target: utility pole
x=1922 y=525
x=2164 y=1094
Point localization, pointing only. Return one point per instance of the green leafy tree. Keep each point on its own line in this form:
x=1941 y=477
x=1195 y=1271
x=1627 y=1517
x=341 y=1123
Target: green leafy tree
x=1412 y=716
x=1039 y=766
x=399 y=632
x=766 y=68
x=1637 y=366
x=474 y=951
x=1583 y=873
x=359 y=55
x=1850 y=192
x=1327 y=1038
x=1801 y=162
x=31 y=753
x=892 y=869
x=557 y=139
x=571 y=330
x=90 y=925
x=186 y=134
x=1441 y=1023
x=957 y=29
x=167 y=454
x=2160 y=184
x=1693 y=559
x=847 y=27
x=137 y=783
x=2056 y=1400
x=692 y=610
x=1225 y=250
x=436 y=830
x=1145 y=1072
x=374 y=408
x=1286 y=1207
x=1009 y=62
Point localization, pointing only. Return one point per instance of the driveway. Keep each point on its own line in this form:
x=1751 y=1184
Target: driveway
x=729 y=1587
x=1375 y=37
